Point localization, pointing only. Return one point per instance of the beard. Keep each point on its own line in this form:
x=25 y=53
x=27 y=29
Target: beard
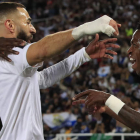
x=22 y=35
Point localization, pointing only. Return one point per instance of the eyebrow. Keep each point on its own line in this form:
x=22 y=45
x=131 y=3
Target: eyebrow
x=133 y=43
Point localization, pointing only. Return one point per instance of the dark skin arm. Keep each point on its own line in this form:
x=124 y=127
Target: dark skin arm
x=95 y=101
x=6 y=46
x=127 y=116
x=131 y=117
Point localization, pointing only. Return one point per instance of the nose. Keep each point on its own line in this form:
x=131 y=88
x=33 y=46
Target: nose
x=129 y=51
x=32 y=29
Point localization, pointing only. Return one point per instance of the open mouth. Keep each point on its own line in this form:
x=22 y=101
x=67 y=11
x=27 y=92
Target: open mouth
x=132 y=60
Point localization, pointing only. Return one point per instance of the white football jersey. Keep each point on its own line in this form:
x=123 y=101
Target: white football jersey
x=20 y=109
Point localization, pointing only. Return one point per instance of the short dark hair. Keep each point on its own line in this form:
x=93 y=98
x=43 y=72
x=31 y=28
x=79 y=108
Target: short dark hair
x=9 y=7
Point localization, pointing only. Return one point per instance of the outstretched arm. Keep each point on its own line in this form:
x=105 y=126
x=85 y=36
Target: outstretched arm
x=127 y=116
x=55 y=73
x=96 y=49
x=117 y=109
x=114 y=115
x=130 y=117
x=54 y=44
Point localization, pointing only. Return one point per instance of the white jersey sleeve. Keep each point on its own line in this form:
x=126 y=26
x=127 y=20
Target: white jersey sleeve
x=55 y=73
x=20 y=63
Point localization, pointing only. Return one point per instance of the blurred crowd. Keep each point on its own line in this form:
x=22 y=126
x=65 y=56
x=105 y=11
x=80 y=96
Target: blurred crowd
x=113 y=76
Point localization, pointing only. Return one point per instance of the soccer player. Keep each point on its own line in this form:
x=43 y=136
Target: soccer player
x=20 y=107
x=104 y=102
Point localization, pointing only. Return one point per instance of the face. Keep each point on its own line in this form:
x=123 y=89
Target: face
x=134 y=51
x=25 y=29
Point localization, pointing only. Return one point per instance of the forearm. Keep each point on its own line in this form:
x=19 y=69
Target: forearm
x=49 y=47
x=127 y=116
x=114 y=115
x=54 y=44
x=130 y=117
x=58 y=42
x=55 y=73
x=123 y=113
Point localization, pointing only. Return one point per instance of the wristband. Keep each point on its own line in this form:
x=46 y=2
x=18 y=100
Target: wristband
x=114 y=104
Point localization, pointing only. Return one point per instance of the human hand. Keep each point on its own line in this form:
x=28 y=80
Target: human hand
x=98 y=49
x=6 y=46
x=104 y=24
x=115 y=25
x=94 y=100
x=96 y=109
x=92 y=109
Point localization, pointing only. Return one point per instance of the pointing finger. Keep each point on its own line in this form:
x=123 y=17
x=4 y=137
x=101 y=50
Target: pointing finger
x=82 y=94
x=77 y=102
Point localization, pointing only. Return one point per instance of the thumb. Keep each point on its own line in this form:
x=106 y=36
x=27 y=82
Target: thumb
x=96 y=38
x=94 y=41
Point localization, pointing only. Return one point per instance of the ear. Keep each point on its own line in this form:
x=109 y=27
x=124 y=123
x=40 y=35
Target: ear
x=9 y=24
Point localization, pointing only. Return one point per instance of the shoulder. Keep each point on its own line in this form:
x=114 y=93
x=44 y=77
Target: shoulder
x=21 y=49
x=22 y=52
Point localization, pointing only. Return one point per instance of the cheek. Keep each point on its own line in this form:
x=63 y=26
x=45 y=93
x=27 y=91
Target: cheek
x=138 y=55
x=138 y=61
x=24 y=27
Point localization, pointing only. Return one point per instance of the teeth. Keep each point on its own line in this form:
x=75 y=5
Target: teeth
x=132 y=59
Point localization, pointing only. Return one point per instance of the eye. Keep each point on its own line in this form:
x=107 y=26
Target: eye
x=135 y=45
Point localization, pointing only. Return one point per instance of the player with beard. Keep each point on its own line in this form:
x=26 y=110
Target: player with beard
x=20 y=107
